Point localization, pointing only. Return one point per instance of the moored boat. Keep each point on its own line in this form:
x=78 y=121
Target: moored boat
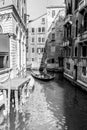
x=42 y=76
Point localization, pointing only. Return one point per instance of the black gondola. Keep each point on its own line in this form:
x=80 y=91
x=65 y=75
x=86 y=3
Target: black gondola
x=42 y=76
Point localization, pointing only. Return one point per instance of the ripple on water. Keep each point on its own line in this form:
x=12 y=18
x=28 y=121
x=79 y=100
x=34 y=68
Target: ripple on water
x=41 y=117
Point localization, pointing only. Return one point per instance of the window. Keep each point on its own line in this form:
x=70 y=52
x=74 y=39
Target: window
x=39 y=50
x=68 y=33
x=43 y=20
x=68 y=52
x=84 y=51
x=42 y=50
x=22 y=13
x=43 y=39
x=52 y=60
x=32 y=50
x=16 y=30
x=53 y=13
x=68 y=66
x=43 y=29
x=76 y=4
x=27 y=49
x=75 y=51
x=85 y=22
x=39 y=39
x=33 y=30
x=76 y=28
x=39 y=29
x=84 y=71
x=32 y=39
x=53 y=36
x=32 y=59
x=53 y=49
x=4 y=61
x=18 y=4
x=69 y=8
x=24 y=1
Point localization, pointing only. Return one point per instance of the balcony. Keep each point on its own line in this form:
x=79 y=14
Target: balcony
x=82 y=5
x=83 y=36
x=68 y=19
x=66 y=44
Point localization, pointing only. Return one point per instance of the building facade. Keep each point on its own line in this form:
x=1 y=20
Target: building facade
x=36 y=42
x=13 y=36
x=75 y=42
x=55 y=22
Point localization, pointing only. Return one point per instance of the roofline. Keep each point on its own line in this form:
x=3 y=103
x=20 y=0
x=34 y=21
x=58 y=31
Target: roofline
x=56 y=6
x=37 y=18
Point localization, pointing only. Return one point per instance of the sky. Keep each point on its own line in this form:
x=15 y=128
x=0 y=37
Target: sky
x=36 y=8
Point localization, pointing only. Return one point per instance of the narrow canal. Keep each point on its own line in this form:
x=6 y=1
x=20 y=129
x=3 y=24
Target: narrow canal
x=54 y=105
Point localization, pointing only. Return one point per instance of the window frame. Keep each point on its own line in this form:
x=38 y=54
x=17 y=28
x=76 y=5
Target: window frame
x=53 y=13
x=43 y=29
x=39 y=39
x=85 y=47
x=39 y=30
x=84 y=71
x=33 y=50
x=85 y=22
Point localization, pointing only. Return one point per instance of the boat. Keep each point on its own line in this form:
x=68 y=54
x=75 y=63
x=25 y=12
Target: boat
x=42 y=76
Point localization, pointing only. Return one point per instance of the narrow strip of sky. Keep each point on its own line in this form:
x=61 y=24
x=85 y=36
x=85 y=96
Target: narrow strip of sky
x=35 y=8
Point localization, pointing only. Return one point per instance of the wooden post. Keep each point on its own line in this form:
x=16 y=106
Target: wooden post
x=9 y=92
x=16 y=100
x=5 y=101
x=20 y=97
x=23 y=95
x=17 y=120
x=8 y=123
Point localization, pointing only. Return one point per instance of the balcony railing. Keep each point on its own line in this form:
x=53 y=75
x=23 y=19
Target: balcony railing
x=83 y=33
x=65 y=43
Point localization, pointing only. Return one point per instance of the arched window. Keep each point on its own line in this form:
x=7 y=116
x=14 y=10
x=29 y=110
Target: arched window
x=76 y=28
x=1 y=30
x=85 y=22
x=76 y=51
x=16 y=30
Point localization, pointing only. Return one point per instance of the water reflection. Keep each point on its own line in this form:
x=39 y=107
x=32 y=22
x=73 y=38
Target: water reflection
x=40 y=116
x=55 y=105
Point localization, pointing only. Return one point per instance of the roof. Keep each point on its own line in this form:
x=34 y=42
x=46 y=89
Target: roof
x=37 y=18
x=62 y=6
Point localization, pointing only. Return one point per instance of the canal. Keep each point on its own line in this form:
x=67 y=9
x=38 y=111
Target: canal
x=54 y=105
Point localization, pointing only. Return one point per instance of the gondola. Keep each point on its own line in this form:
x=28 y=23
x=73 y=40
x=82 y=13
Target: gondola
x=42 y=76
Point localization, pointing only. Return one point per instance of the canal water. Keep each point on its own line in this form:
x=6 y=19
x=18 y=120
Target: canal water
x=53 y=105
